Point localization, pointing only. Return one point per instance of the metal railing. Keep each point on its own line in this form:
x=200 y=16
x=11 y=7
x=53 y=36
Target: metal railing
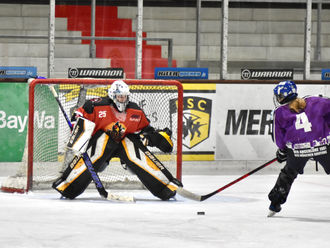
x=168 y=40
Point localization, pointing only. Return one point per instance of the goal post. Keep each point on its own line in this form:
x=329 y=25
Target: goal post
x=48 y=131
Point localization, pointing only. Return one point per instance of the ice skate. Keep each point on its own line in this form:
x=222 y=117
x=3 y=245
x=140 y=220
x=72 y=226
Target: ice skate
x=273 y=209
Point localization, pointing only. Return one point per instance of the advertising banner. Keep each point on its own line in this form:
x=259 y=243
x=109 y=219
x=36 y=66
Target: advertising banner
x=13 y=120
x=18 y=72
x=249 y=74
x=243 y=114
x=220 y=121
x=96 y=73
x=325 y=74
x=198 y=121
x=181 y=73
x=14 y=123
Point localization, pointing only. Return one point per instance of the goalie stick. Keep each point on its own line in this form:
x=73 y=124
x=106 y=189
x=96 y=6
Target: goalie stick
x=196 y=197
x=99 y=186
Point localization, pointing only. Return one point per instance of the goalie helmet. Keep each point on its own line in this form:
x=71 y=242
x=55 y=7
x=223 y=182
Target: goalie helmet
x=285 y=92
x=119 y=88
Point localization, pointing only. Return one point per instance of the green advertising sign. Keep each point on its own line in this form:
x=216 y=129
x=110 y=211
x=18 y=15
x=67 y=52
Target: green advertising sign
x=45 y=125
x=13 y=120
x=14 y=123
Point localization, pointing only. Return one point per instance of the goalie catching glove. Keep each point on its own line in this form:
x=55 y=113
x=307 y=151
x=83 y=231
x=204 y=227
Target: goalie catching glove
x=160 y=139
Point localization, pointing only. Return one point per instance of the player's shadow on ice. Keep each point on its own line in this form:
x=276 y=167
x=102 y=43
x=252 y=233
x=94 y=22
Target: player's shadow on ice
x=304 y=219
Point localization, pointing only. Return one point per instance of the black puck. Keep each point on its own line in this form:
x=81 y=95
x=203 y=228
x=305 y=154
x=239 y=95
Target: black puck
x=200 y=213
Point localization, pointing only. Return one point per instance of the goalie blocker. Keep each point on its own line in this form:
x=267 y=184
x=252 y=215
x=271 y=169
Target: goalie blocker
x=101 y=148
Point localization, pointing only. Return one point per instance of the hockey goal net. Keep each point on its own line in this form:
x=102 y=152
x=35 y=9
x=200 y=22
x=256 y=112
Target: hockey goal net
x=48 y=133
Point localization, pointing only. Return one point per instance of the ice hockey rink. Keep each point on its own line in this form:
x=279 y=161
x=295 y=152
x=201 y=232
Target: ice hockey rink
x=235 y=217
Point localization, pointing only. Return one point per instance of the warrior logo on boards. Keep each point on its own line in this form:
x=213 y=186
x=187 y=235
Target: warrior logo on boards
x=196 y=120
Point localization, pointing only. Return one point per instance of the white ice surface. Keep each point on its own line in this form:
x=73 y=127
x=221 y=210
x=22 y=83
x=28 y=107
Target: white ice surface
x=236 y=217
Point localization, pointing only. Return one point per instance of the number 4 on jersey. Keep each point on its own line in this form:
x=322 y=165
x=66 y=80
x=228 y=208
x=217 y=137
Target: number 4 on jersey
x=303 y=122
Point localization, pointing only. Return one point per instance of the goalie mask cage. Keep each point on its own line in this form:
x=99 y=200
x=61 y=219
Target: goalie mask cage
x=48 y=133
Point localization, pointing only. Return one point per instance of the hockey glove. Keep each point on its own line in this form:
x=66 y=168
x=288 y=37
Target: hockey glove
x=281 y=155
x=160 y=139
x=167 y=131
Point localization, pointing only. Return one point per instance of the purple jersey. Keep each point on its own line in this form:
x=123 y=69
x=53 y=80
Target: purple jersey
x=308 y=129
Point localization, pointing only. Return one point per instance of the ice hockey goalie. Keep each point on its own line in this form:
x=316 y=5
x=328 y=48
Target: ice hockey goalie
x=110 y=127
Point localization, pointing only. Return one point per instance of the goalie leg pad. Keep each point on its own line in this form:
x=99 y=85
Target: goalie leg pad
x=74 y=180
x=153 y=184
x=76 y=177
x=148 y=173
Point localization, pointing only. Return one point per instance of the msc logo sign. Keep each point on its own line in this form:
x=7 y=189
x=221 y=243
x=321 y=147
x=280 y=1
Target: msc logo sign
x=196 y=120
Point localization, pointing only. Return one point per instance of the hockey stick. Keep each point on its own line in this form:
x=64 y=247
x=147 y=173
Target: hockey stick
x=96 y=179
x=196 y=197
x=155 y=160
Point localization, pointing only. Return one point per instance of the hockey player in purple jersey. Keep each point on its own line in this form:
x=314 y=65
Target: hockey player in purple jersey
x=301 y=129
